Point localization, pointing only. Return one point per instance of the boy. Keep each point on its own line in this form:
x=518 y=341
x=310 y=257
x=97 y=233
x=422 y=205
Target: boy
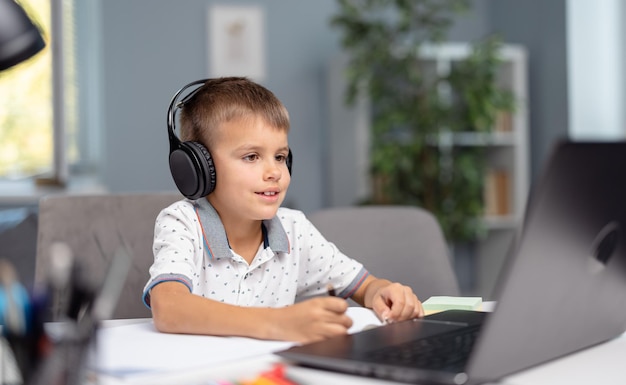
x=234 y=262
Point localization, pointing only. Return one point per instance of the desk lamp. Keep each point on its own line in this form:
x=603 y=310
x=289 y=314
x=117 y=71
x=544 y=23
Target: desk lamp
x=19 y=37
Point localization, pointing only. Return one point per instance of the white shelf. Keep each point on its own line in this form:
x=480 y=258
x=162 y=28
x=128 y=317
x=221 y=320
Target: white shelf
x=501 y=222
x=477 y=139
x=348 y=144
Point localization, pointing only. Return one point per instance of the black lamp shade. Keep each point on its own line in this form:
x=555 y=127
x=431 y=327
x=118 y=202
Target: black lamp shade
x=19 y=37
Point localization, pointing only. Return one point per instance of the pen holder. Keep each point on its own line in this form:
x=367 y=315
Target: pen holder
x=65 y=365
x=28 y=355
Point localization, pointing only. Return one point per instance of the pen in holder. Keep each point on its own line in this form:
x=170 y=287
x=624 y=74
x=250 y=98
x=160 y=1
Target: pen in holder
x=29 y=356
x=80 y=304
x=73 y=297
x=21 y=316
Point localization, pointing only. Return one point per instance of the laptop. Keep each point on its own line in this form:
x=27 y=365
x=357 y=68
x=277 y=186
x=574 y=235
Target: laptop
x=562 y=289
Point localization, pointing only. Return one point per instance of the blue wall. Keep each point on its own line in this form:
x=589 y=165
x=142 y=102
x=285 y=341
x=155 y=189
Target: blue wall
x=150 y=48
x=540 y=26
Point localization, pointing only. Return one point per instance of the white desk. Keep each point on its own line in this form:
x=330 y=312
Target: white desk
x=602 y=364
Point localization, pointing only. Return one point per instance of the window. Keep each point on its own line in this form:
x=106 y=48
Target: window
x=37 y=135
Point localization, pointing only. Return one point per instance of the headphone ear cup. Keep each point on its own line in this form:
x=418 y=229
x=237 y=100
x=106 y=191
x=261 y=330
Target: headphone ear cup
x=289 y=161
x=193 y=170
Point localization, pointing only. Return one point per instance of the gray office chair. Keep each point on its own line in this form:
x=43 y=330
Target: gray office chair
x=95 y=227
x=399 y=243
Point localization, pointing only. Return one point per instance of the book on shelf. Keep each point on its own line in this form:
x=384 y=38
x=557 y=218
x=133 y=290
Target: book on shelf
x=497 y=192
x=504 y=122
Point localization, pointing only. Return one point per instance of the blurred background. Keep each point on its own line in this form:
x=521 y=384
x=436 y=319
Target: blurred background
x=88 y=114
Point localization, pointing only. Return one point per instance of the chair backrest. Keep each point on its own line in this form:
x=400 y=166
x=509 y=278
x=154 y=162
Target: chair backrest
x=400 y=243
x=95 y=227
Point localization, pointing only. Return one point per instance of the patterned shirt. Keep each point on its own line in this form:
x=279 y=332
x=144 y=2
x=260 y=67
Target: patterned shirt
x=293 y=262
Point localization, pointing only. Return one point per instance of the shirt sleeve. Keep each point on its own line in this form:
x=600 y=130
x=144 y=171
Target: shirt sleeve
x=323 y=264
x=177 y=247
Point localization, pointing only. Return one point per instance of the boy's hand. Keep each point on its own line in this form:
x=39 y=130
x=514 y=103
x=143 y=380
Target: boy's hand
x=394 y=302
x=313 y=320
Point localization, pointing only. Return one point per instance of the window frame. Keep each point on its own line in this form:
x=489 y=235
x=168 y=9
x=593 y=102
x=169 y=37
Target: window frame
x=65 y=176
x=60 y=174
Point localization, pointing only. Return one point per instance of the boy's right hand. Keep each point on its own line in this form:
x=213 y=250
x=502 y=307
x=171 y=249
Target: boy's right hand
x=312 y=320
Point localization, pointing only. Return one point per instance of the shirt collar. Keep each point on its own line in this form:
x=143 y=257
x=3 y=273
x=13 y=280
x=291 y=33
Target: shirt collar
x=214 y=234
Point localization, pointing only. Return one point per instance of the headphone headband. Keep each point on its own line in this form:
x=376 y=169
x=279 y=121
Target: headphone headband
x=175 y=105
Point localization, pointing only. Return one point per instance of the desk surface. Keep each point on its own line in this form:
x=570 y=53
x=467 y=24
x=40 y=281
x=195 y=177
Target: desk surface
x=601 y=364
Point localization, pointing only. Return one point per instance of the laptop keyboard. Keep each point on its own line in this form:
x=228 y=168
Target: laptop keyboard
x=448 y=351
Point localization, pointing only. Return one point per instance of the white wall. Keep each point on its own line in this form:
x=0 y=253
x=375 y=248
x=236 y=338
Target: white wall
x=595 y=56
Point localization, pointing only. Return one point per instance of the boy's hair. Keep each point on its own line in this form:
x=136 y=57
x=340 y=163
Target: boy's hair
x=223 y=99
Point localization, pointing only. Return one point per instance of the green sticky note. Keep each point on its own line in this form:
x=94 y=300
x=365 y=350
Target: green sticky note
x=440 y=303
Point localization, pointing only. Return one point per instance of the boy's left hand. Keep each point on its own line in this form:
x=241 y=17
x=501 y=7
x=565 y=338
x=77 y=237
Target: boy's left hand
x=395 y=302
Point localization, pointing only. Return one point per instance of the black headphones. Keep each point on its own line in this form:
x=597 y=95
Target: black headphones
x=191 y=163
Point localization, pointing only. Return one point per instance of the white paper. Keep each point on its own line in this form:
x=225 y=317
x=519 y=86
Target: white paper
x=362 y=319
x=139 y=349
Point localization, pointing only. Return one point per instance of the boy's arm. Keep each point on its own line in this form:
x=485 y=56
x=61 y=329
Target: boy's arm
x=390 y=301
x=176 y=310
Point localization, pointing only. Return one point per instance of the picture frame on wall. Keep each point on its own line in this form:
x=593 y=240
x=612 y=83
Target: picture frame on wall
x=237 y=41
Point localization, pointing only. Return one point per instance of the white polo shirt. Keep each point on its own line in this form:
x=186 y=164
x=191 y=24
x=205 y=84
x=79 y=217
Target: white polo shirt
x=294 y=261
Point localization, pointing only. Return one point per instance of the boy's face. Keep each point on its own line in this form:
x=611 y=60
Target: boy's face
x=252 y=175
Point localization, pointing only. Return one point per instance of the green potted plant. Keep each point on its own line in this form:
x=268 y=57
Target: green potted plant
x=410 y=161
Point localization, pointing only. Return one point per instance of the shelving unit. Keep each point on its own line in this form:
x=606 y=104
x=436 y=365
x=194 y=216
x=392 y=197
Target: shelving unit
x=506 y=150
x=507 y=174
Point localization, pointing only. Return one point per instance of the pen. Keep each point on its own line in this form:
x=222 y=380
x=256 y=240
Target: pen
x=331 y=290
x=15 y=316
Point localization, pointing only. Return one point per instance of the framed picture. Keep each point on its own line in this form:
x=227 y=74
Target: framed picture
x=237 y=41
